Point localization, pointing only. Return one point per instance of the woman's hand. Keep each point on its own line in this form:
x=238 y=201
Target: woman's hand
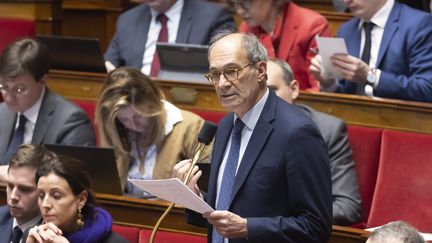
x=46 y=233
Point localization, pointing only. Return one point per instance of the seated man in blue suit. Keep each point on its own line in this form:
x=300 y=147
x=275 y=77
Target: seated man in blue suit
x=270 y=177
x=346 y=195
x=138 y=30
x=22 y=211
x=31 y=113
x=389 y=46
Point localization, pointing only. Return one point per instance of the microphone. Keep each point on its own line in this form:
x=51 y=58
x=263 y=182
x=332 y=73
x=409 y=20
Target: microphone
x=205 y=137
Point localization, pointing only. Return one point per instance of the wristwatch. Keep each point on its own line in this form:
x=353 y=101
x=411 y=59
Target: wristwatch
x=371 y=78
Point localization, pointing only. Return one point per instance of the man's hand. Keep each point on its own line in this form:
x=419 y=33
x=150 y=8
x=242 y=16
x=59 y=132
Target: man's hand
x=227 y=224
x=319 y=74
x=351 y=68
x=180 y=171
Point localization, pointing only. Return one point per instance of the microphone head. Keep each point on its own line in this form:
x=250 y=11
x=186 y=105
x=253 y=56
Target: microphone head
x=207 y=132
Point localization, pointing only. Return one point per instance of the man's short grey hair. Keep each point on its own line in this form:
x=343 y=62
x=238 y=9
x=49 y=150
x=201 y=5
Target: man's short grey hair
x=397 y=230
x=288 y=75
x=255 y=50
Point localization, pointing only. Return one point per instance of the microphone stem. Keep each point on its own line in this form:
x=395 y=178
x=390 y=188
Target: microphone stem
x=200 y=149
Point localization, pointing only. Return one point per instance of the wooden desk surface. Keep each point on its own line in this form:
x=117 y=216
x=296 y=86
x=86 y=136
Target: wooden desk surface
x=358 y=110
x=145 y=213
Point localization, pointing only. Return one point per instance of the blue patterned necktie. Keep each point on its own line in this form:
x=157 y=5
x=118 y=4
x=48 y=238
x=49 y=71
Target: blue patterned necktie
x=225 y=191
x=17 y=139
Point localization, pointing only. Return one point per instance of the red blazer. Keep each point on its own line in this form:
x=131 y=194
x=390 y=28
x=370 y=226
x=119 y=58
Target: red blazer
x=298 y=31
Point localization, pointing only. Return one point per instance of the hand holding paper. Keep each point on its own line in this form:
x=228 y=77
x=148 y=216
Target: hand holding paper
x=328 y=46
x=173 y=190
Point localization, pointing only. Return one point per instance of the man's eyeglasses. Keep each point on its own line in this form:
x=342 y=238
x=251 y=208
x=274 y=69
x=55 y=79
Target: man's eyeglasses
x=16 y=91
x=230 y=74
x=243 y=4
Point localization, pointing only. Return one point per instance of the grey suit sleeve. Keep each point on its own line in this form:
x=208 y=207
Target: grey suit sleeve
x=77 y=130
x=346 y=196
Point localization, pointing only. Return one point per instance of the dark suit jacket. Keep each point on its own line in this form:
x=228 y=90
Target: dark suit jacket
x=405 y=55
x=283 y=185
x=346 y=195
x=59 y=122
x=6 y=223
x=199 y=21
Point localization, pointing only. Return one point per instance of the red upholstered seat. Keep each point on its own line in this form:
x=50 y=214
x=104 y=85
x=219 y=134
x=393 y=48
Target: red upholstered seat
x=404 y=184
x=365 y=143
x=170 y=237
x=13 y=28
x=213 y=116
x=129 y=233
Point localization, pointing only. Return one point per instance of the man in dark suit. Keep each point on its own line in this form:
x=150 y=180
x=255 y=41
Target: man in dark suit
x=137 y=30
x=389 y=46
x=346 y=196
x=21 y=212
x=270 y=180
x=30 y=109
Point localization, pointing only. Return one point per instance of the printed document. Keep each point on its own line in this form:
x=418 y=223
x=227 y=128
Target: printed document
x=328 y=46
x=173 y=190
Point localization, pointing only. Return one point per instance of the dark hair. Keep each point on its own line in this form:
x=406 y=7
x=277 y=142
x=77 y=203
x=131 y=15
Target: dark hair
x=24 y=56
x=30 y=155
x=74 y=172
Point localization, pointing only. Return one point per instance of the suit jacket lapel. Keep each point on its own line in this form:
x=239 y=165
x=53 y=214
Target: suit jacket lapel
x=142 y=29
x=7 y=127
x=222 y=137
x=353 y=40
x=44 y=119
x=390 y=30
x=256 y=143
x=6 y=230
x=185 y=23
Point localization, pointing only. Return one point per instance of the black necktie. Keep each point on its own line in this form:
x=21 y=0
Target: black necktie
x=17 y=139
x=365 y=57
x=16 y=235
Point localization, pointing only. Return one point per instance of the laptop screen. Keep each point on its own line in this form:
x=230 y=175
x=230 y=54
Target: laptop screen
x=101 y=164
x=74 y=53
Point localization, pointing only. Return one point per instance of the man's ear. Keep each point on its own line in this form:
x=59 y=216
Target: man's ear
x=261 y=66
x=295 y=89
x=43 y=79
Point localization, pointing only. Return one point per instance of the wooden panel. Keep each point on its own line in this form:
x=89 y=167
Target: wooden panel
x=46 y=13
x=145 y=213
x=358 y=110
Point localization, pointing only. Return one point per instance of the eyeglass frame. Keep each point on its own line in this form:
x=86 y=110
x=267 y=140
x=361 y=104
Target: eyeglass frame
x=15 y=91
x=209 y=76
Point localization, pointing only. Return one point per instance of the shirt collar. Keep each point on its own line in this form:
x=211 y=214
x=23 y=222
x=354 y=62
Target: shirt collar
x=32 y=222
x=32 y=113
x=380 y=18
x=175 y=10
x=174 y=116
x=251 y=117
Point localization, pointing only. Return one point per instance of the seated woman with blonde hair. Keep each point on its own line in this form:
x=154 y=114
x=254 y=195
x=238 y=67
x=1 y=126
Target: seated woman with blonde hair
x=149 y=135
x=67 y=205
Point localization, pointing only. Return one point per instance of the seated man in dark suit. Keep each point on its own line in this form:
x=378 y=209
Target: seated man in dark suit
x=173 y=21
x=31 y=113
x=346 y=196
x=389 y=52
x=22 y=211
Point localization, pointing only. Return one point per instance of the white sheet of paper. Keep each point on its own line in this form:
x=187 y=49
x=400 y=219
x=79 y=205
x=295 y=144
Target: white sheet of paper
x=328 y=46
x=173 y=190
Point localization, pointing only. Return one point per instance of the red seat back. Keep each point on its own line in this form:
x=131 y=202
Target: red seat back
x=90 y=109
x=404 y=183
x=169 y=237
x=213 y=116
x=13 y=28
x=129 y=233
x=365 y=143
